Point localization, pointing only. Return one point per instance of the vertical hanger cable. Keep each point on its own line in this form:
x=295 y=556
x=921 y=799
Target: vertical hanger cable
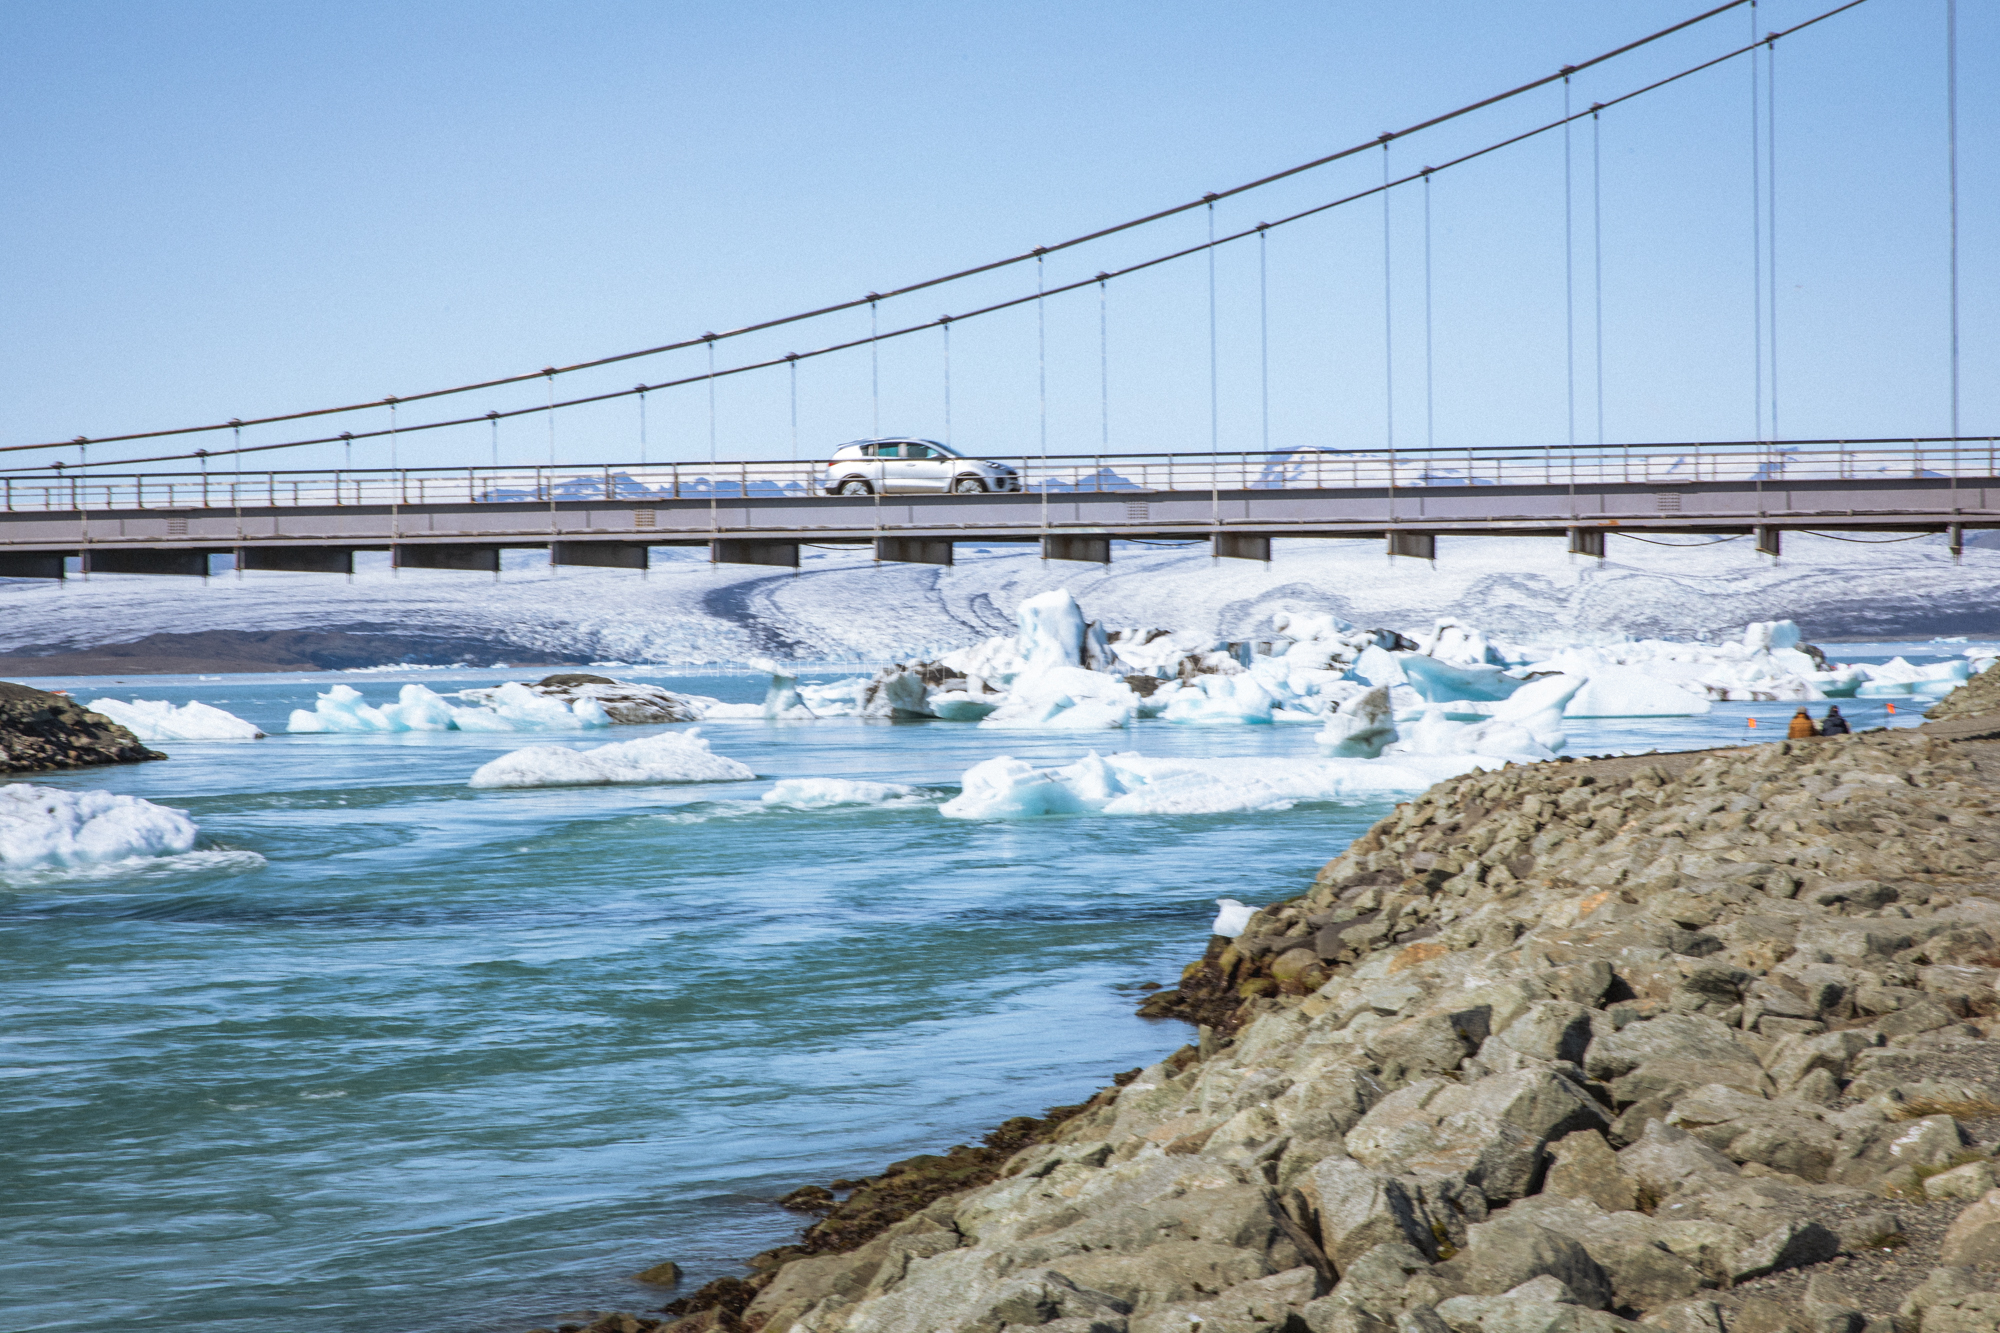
x=1388 y=315
x=1597 y=264
x=1756 y=242
x=1951 y=153
x=1771 y=208
x=1264 y=336
x=1430 y=402
x=1214 y=381
x=1103 y=366
x=1569 y=278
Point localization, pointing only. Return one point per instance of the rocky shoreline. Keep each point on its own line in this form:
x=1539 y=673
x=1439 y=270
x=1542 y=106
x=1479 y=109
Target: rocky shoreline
x=40 y=732
x=1703 y=1042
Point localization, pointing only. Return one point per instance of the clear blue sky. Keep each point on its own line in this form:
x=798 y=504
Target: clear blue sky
x=226 y=209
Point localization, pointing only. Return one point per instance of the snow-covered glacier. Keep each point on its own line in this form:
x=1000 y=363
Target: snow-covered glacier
x=846 y=607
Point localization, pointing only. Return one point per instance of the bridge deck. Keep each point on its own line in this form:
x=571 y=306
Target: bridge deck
x=1096 y=503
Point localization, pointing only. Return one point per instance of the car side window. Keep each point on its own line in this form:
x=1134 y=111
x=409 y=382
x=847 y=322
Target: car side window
x=888 y=451
x=917 y=451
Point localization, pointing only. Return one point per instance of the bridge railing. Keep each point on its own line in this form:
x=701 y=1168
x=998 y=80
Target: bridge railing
x=1299 y=469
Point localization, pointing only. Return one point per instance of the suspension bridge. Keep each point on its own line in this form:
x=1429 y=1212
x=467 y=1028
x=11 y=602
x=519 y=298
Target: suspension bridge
x=162 y=508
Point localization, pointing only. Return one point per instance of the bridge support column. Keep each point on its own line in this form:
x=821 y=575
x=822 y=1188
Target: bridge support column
x=1768 y=540
x=1587 y=541
x=1241 y=546
x=31 y=564
x=1955 y=539
x=914 y=550
x=1065 y=546
x=735 y=551
x=1420 y=545
x=474 y=559
x=297 y=559
x=599 y=555
x=146 y=560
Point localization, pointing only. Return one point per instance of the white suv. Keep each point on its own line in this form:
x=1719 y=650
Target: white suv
x=891 y=467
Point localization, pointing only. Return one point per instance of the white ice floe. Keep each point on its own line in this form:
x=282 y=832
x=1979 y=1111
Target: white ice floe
x=1233 y=919
x=49 y=826
x=669 y=757
x=1135 y=784
x=508 y=707
x=157 y=720
x=1630 y=692
x=821 y=793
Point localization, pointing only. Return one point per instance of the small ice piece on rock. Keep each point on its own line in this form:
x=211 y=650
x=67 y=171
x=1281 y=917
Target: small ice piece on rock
x=47 y=826
x=672 y=757
x=158 y=720
x=1233 y=919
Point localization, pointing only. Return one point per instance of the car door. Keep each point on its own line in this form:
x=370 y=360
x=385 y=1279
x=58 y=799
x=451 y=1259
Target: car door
x=929 y=469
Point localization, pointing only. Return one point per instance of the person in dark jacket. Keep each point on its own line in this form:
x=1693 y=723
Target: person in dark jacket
x=1802 y=726
x=1833 y=724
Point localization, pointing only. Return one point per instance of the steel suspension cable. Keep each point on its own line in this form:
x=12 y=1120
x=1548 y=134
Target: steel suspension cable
x=1103 y=363
x=1472 y=155
x=1099 y=234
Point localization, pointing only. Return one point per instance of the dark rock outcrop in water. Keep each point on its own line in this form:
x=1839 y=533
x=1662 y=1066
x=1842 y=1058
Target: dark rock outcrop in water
x=1701 y=1042
x=40 y=731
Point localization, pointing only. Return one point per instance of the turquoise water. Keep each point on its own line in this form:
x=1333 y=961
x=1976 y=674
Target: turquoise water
x=459 y=1060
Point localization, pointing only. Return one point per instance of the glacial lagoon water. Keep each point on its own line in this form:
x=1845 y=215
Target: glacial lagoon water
x=391 y=1053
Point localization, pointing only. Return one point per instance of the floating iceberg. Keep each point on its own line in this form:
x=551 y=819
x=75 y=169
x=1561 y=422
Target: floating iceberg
x=821 y=793
x=48 y=826
x=158 y=720
x=669 y=757
x=509 y=707
x=1629 y=692
x=1437 y=681
x=1527 y=727
x=1067 y=698
x=1237 y=699
x=1134 y=784
x=623 y=702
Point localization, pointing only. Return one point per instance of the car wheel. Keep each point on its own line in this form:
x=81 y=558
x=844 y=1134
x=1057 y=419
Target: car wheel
x=855 y=486
x=969 y=486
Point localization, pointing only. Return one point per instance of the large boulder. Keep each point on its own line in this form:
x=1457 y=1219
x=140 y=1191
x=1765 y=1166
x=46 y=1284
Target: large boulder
x=1505 y=1252
x=1973 y=1241
x=1493 y=1133
x=40 y=731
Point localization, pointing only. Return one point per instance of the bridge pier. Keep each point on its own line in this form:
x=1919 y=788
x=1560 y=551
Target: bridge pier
x=739 y=551
x=600 y=555
x=31 y=564
x=474 y=559
x=1079 y=547
x=914 y=550
x=1418 y=545
x=1241 y=546
x=297 y=559
x=1587 y=541
x=1769 y=539
x=147 y=560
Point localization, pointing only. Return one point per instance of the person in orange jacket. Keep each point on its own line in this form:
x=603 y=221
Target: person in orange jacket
x=1802 y=726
